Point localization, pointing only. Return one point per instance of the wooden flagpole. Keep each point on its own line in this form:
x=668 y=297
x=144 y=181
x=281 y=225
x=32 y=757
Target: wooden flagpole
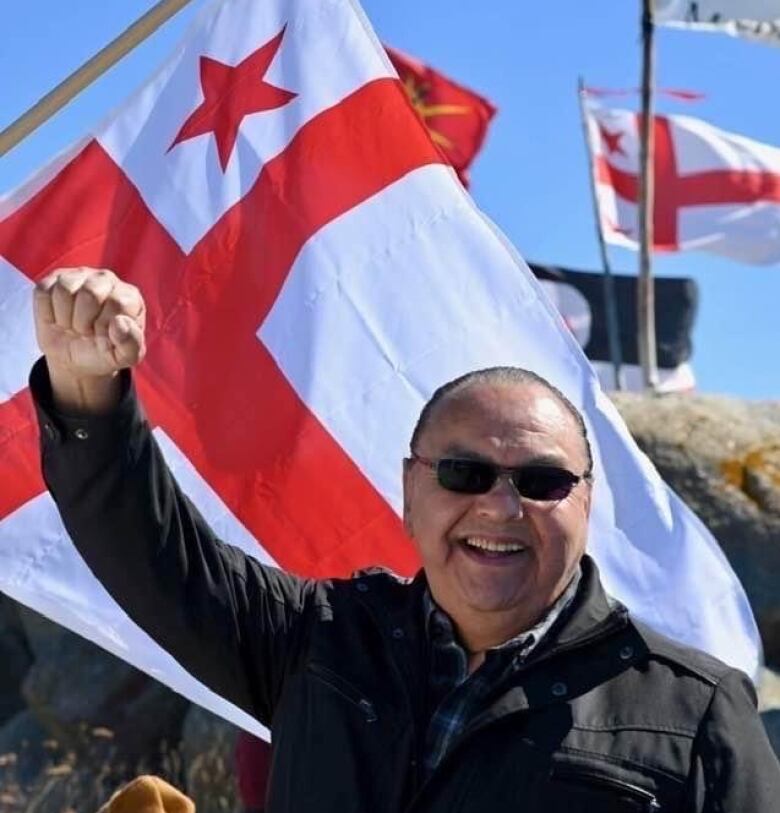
x=610 y=301
x=645 y=289
x=91 y=70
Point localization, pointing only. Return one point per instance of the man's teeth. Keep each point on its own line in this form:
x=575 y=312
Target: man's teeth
x=491 y=545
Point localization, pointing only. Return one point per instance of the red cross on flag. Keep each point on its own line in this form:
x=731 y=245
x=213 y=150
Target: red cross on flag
x=714 y=191
x=312 y=272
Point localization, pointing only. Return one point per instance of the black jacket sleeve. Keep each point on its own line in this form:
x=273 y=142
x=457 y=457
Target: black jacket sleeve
x=231 y=622
x=735 y=768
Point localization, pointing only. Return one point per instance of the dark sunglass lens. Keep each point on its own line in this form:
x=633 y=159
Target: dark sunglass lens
x=544 y=483
x=466 y=476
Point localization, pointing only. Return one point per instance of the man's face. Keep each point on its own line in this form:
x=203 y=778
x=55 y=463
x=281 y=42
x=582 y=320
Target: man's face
x=509 y=424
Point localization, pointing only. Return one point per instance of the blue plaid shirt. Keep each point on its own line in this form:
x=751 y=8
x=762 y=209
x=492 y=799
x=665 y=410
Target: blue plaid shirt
x=455 y=696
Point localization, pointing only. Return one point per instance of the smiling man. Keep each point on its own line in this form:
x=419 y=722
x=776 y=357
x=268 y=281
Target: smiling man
x=497 y=495
x=502 y=678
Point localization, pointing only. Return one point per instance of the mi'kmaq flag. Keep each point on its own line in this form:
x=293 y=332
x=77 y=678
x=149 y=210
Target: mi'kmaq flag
x=754 y=19
x=312 y=271
x=714 y=191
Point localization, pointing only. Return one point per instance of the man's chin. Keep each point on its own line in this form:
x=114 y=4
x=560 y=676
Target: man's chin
x=491 y=599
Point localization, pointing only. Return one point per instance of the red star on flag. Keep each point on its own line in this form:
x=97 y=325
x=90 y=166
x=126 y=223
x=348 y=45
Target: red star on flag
x=230 y=93
x=611 y=140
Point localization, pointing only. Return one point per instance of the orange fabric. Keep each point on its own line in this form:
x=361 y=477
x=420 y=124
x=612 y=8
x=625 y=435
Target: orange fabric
x=148 y=794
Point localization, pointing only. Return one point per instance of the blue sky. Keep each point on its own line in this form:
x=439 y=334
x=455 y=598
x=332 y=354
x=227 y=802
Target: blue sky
x=531 y=177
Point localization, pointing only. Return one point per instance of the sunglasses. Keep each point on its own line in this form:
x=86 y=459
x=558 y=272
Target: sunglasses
x=534 y=482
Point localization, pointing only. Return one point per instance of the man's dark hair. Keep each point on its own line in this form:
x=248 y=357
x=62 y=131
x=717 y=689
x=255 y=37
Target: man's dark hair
x=499 y=375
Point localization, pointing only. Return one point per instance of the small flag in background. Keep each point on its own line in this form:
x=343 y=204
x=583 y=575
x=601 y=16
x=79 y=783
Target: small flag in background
x=714 y=191
x=579 y=296
x=754 y=19
x=456 y=117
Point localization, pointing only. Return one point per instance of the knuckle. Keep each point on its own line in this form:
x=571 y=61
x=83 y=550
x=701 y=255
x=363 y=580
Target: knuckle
x=129 y=290
x=45 y=283
x=102 y=280
x=94 y=289
x=128 y=298
x=68 y=283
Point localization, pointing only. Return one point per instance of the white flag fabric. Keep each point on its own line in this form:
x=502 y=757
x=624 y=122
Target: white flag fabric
x=714 y=191
x=313 y=270
x=755 y=19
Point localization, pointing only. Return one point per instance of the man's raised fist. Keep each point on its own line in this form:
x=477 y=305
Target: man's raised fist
x=89 y=325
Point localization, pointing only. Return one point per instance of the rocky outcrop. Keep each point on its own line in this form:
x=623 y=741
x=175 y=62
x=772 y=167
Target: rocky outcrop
x=137 y=711
x=769 y=705
x=722 y=456
x=768 y=690
x=772 y=724
x=16 y=658
x=67 y=744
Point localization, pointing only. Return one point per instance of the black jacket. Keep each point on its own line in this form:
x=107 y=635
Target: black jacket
x=607 y=716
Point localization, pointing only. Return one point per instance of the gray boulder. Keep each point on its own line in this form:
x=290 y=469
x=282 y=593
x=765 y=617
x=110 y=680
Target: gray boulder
x=722 y=456
x=41 y=634
x=768 y=690
x=86 y=697
x=15 y=656
x=771 y=721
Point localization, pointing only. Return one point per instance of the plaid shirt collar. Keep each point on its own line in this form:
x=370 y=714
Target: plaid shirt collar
x=454 y=695
x=439 y=626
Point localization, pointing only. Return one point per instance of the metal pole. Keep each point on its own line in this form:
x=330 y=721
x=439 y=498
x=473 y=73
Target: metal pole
x=610 y=301
x=645 y=289
x=88 y=73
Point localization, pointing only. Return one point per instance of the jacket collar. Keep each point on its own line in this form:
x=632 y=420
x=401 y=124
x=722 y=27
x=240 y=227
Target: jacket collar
x=592 y=614
x=397 y=606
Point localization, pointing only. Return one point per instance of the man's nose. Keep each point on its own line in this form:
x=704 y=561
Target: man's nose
x=503 y=501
